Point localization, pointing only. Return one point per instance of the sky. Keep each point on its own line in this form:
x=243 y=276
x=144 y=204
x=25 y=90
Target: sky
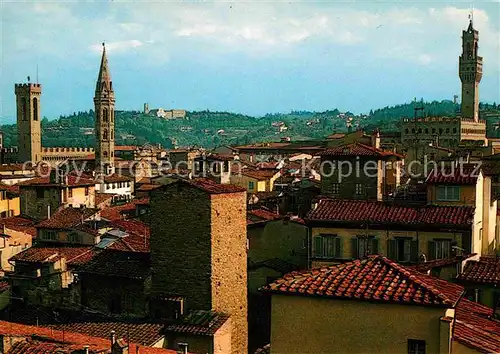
x=252 y=57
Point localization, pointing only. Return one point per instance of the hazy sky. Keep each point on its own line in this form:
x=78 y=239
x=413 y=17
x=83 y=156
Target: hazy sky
x=251 y=57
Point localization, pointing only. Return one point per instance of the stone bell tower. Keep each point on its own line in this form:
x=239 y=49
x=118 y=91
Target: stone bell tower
x=28 y=121
x=470 y=72
x=104 y=102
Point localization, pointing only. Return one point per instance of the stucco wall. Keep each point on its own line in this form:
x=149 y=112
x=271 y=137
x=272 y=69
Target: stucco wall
x=304 y=325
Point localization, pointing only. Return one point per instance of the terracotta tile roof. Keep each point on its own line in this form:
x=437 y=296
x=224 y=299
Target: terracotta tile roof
x=378 y=212
x=132 y=226
x=475 y=328
x=118 y=212
x=73 y=181
x=102 y=198
x=4 y=286
x=486 y=270
x=114 y=263
x=199 y=322
x=466 y=174
x=116 y=178
x=212 y=187
x=424 y=267
x=143 y=333
x=357 y=149
x=75 y=256
x=19 y=223
x=375 y=278
x=16 y=167
x=125 y=148
x=67 y=218
x=260 y=175
x=73 y=340
x=148 y=187
x=258 y=216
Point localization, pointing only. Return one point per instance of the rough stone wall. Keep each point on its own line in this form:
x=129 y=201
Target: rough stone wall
x=37 y=207
x=180 y=245
x=229 y=264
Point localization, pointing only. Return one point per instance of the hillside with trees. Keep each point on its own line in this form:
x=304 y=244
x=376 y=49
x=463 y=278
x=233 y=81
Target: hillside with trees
x=210 y=129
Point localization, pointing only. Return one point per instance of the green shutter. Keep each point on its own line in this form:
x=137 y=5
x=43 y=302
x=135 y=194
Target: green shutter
x=354 y=247
x=414 y=251
x=374 y=245
x=431 y=250
x=318 y=246
x=391 y=249
x=338 y=247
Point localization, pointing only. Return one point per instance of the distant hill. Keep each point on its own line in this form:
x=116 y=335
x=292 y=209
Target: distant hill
x=209 y=129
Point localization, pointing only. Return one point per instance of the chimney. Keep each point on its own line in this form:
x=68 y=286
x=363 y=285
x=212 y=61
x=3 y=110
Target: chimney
x=183 y=348
x=86 y=349
x=48 y=211
x=376 y=139
x=113 y=337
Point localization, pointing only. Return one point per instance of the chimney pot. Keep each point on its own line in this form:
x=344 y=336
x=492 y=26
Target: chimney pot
x=86 y=349
x=113 y=337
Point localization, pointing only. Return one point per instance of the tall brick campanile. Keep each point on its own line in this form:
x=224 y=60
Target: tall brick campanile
x=28 y=121
x=470 y=72
x=199 y=250
x=104 y=102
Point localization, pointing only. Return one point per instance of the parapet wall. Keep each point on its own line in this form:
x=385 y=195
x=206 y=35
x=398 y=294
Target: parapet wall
x=51 y=151
x=28 y=87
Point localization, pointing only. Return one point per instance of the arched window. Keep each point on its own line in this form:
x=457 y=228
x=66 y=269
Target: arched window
x=112 y=115
x=112 y=135
x=105 y=154
x=35 y=108
x=105 y=134
x=105 y=115
x=24 y=108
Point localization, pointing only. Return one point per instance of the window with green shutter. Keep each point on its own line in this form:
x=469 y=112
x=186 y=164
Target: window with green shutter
x=327 y=246
x=403 y=249
x=363 y=246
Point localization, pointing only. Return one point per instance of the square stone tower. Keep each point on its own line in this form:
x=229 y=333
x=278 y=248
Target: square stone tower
x=28 y=122
x=199 y=250
x=470 y=72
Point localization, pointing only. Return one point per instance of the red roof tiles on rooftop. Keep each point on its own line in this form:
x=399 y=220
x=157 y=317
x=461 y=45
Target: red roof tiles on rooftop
x=72 y=181
x=73 y=255
x=454 y=175
x=357 y=149
x=486 y=270
x=329 y=210
x=67 y=218
x=18 y=223
x=375 y=278
x=212 y=187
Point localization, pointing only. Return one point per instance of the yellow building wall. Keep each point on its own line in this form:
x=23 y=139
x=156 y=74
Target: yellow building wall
x=467 y=196
x=302 y=325
x=10 y=204
x=244 y=182
x=79 y=197
x=9 y=247
x=383 y=236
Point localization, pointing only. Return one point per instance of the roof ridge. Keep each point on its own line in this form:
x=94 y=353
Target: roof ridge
x=415 y=277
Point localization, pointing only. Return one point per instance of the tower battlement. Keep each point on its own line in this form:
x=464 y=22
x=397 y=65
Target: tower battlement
x=31 y=87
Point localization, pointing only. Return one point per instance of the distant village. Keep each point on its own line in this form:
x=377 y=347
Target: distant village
x=360 y=242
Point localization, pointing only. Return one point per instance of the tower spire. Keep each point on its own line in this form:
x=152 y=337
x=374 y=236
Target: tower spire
x=104 y=78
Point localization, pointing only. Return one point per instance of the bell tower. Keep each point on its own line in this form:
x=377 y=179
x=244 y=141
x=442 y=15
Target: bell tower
x=28 y=121
x=470 y=72
x=104 y=102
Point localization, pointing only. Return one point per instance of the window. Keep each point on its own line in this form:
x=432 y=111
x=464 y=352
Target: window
x=336 y=188
x=70 y=192
x=440 y=249
x=448 y=193
x=35 y=108
x=50 y=235
x=105 y=135
x=40 y=193
x=406 y=131
x=416 y=346
x=105 y=115
x=403 y=249
x=363 y=246
x=433 y=130
x=359 y=189
x=251 y=185
x=74 y=238
x=426 y=130
x=327 y=246
x=86 y=190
